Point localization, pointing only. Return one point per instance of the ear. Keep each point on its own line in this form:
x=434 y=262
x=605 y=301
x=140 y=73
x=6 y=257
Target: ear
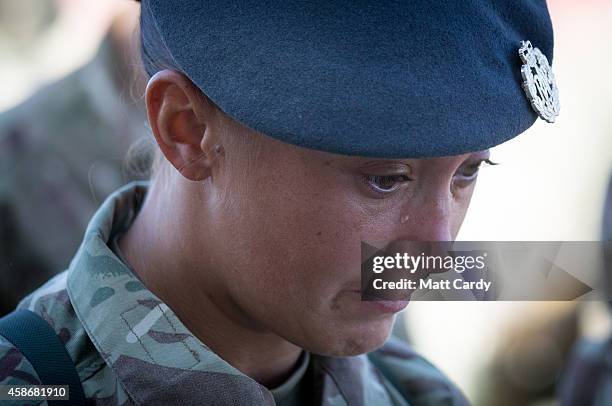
x=181 y=118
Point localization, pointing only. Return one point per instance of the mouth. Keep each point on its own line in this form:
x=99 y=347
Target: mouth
x=378 y=304
x=387 y=306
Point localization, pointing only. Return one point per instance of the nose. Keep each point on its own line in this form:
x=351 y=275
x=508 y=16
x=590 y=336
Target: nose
x=428 y=218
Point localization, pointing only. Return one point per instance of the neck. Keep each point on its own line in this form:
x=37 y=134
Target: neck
x=216 y=320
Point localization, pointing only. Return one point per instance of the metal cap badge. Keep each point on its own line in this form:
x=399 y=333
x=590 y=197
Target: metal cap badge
x=539 y=82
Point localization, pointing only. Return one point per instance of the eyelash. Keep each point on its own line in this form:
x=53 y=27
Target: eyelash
x=477 y=166
x=371 y=180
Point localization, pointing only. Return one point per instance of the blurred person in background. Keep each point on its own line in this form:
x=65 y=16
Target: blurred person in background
x=63 y=150
x=587 y=379
x=542 y=356
x=530 y=357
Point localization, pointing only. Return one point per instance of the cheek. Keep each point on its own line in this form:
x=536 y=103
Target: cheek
x=298 y=242
x=310 y=245
x=460 y=208
x=294 y=251
x=309 y=257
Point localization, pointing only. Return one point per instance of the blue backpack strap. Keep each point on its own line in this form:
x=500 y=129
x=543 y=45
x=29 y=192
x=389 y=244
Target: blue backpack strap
x=39 y=344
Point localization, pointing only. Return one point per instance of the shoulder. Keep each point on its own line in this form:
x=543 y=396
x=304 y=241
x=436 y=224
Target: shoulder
x=417 y=379
x=54 y=107
x=46 y=302
x=46 y=102
x=15 y=369
x=52 y=303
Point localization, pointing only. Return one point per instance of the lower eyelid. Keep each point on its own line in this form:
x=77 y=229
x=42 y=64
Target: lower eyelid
x=367 y=180
x=468 y=180
x=387 y=191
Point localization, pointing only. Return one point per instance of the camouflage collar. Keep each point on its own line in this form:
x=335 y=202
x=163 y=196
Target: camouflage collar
x=156 y=359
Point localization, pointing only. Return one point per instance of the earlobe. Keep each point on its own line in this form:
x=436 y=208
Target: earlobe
x=180 y=116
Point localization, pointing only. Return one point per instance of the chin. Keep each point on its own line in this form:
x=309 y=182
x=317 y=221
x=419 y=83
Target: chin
x=357 y=340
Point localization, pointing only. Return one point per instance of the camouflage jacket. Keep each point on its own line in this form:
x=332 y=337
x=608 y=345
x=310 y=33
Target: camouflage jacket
x=130 y=348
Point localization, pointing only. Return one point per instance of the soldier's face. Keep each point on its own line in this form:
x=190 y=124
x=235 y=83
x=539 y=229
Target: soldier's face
x=284 y=236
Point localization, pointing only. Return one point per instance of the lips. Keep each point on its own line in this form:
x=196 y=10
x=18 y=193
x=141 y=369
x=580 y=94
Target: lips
x=380 y=304
x=387 y=306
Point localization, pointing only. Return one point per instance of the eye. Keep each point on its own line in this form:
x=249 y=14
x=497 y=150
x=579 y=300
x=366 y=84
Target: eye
x=386 y=183
x=470 y=170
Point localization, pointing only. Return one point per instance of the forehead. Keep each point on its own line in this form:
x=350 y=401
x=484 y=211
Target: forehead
x=330 y=159
x=266 y=147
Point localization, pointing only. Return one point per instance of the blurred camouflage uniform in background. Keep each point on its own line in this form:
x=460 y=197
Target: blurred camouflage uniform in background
x=61 y=153
x=588 y=377
x=527 y=361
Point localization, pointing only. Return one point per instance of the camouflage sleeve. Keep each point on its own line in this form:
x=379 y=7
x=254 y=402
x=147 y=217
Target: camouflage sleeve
x=419 y=381
x=15 y=369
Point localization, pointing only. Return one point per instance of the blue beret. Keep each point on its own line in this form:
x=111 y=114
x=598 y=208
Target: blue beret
x=392 y=79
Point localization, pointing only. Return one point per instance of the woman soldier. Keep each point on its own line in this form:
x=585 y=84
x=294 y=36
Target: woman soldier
x=288 y=132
